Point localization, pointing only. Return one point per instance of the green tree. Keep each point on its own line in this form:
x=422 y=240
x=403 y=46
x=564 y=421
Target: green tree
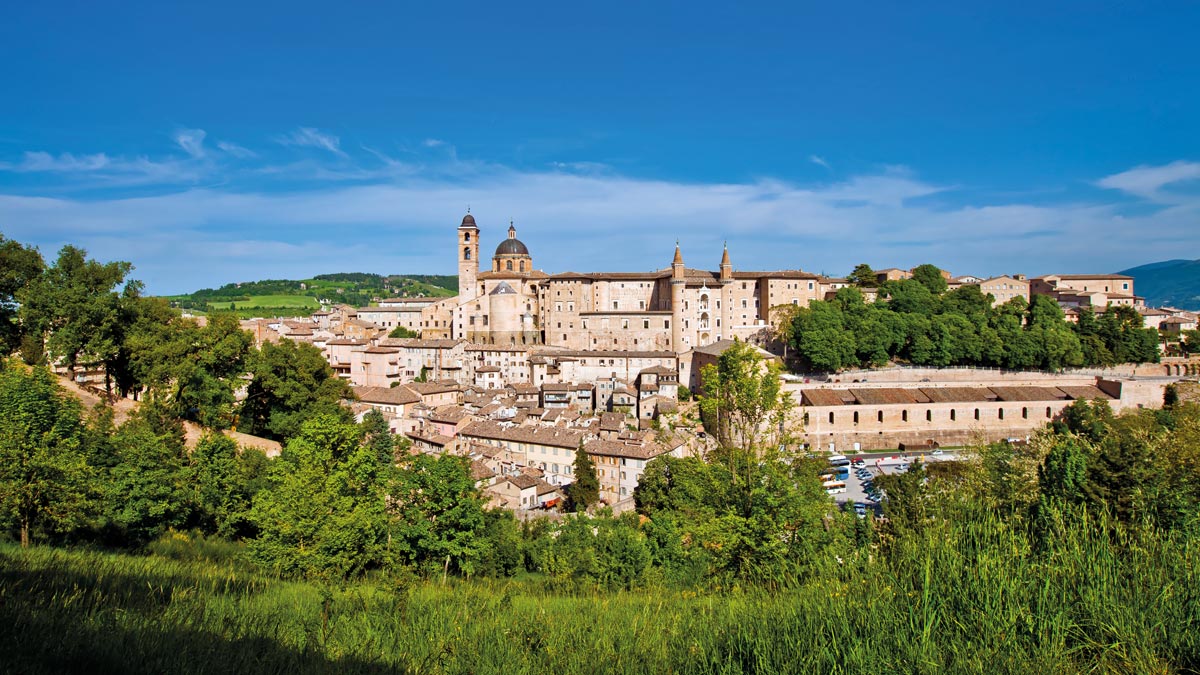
x=402 y=332
x=863 y=276
x=821 y=337
x=743 y=398
x=19 y=267
x=192 y=370
x=74 y=309
x=146 y=489
x=322 y=515
x=930 y=276
x=223 y=480
x=1063 y=474
x=585 y=491
x=45 y=480
x=436 y=514
x=292 y=382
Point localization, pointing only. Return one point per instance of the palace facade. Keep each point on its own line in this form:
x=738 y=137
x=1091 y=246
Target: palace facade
x=676 y=308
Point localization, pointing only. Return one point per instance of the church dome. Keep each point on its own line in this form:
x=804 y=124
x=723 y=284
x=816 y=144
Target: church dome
x=468 y=221
x=511 y=247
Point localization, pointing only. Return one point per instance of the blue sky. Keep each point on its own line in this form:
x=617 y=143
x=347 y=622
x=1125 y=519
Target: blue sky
x=216 y=142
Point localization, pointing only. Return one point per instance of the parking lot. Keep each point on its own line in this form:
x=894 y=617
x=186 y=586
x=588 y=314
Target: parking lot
x=878 y=466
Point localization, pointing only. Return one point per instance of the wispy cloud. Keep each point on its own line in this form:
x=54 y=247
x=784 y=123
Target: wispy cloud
x=433 y=142
x=819 y=161
x=105 y=170
x=373 y=212
x=313 y=138
x=192 y=141
x=235 y=150
x=63 y=163
x=1148 y=181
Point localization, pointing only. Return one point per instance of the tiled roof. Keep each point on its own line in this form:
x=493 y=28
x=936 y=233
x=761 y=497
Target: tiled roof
x=547 y=436
x=401 y=395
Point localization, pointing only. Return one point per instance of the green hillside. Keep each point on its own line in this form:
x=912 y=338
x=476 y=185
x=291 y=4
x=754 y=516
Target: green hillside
x=1173 y=283
x=277 y=297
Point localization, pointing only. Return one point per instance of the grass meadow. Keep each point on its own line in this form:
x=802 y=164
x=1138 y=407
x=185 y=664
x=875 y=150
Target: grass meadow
x=980 y=601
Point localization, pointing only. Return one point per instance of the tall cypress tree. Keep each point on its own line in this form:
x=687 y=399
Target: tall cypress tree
x=585 y=491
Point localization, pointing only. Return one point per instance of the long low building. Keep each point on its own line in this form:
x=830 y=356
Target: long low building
x=849 y=419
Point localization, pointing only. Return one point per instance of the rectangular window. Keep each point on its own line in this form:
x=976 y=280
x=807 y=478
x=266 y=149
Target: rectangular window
x=646 y=323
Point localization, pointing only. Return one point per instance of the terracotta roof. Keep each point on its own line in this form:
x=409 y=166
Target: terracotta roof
x=820 y=397
x=958 y=394
x=346 y=343
x=430 y=438
x=449 y=414
x=1085 y=393
x=428 y=388
x=1028 y=393
x=611 y=421
x=631 y=450
x=547 y=436
x=401 y=395
x=888 y=396
x=487 y=369
x=381 y=350
x=523 y=482
x=480 y=471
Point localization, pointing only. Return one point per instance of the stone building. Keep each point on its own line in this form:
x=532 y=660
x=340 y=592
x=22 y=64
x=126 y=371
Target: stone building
x=675 y=309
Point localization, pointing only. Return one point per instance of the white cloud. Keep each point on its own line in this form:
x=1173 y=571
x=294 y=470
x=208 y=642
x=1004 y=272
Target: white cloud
x=235 y=150
x=310 y=137
x=1148 y=181
x=102 y=170
x=387 y=215
x=819 y=161
x=192 y=141
x=63 y=163
x=433 y=142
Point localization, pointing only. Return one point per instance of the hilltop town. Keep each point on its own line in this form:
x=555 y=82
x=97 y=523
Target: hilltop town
x=522 y=368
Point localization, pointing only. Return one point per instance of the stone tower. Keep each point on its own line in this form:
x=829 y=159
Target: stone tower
x=678 y=281
x=468 y=258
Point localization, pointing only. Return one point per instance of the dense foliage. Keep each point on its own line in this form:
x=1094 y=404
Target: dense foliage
x=918 y=321
x=1075 y=552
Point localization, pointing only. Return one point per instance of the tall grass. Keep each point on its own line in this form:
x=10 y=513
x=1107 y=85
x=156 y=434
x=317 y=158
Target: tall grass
x=972 y=597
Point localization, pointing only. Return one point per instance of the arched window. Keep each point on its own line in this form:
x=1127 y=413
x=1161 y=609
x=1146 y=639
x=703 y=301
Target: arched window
x=1024 y=413
x=466 y=236
x=1000 y=414
x=928 y=415
x=467 y=253
x=977 y=413
x=879 y=417
x=1048 y=413
x=831 y=418
x=855 y=417
x=508 y=265
x=903 y=415
x=953 y=415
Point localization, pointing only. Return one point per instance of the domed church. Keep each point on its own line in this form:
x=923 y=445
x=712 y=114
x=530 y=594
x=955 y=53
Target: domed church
x=676 y=308
x=499 y=306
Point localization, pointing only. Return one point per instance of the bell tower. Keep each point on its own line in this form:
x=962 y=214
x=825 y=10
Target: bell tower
x=468 y=257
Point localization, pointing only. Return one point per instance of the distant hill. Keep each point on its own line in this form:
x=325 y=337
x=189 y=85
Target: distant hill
x=290 y=297
x=1174 y=283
